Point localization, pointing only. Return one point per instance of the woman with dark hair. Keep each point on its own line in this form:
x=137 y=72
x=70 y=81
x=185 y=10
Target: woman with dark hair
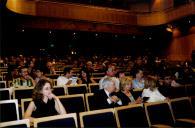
x=44 y=102
x=85 y=77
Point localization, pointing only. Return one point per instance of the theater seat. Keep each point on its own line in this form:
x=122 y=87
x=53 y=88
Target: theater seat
x=98 y=118
x=131 y=116
x=77 y=89
x=94 y=87
x=159 y=114
x=5 y=94
x=183 y=112
x=65 y=120
x=9 y=110
x=25 y=123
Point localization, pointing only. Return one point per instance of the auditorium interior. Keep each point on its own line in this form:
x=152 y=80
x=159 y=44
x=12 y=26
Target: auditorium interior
x=117 y=39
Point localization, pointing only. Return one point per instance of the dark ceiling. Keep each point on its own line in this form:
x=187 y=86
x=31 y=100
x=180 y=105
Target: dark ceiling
x=19 y=40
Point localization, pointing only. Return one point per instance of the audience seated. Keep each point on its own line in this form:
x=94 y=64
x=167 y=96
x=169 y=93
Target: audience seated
x=44 y=102
x=151 y=92
x=49 y=68
x=31 y=68
x=120 y=74
x=138 y=81
x=106 y=97
x=67 y=79
x=111 y=72
x=89 y=67
x=39 y=74
x=125 y=93
x=25 y=80
x=85 y=77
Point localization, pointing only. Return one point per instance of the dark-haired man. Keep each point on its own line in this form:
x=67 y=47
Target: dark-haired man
x=67 y=78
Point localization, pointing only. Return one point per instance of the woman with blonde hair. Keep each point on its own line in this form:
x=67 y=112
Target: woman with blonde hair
x=126 y=93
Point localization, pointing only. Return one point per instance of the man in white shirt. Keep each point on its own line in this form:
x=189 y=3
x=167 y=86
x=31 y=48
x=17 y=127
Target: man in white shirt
x=67 y=78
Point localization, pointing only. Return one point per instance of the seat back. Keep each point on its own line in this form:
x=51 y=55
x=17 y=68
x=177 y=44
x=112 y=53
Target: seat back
x=131 y=116
x=24 y=104
x=3 y=84
x=98 y=74
x=98 y=118
x=21 y=93
x=5 y=94
x=54 y=81
x=97 y=79
x=190 y=90
x=94 y=87
x=90 y=101
x=65 y=120
x=1 y=78
x=73 y=103
x=177 y=92
x=52 y=76
x=77 y=89
x=192 y=99
x=59 y=90
x=137 y=93
x=9 y=110
x=25 y=123
x=159 y=113
x=181 y=107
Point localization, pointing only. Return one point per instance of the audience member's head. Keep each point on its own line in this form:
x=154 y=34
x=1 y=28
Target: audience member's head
x=89 y=65
x=125 y=83
x=167 y=80
x=138 y=73
x=84 y=73
x=39 y=72
x=41 y=89
x=150 y=83
x=68 y=72
x=23 y=72
x=111 y=71
x=120 y=74
x=109 y=84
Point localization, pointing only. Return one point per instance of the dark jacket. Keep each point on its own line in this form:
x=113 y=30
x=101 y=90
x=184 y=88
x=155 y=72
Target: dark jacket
x=101 y=100
x=124 y=98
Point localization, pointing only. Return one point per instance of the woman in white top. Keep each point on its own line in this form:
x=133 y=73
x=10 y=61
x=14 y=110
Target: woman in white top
x=151 y=92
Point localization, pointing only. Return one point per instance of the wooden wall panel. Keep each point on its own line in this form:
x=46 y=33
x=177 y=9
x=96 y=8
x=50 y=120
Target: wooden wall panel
x=101 y=15
x=22 y=6
x=160 y=5
x=180 y=48
x=164 y=17
x=140 y=7
x=85 y=13
x=50 y=23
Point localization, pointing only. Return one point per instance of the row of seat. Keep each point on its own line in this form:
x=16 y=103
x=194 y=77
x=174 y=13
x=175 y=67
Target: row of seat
x=26 y=92
x=175 y=113
x=20 y=93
